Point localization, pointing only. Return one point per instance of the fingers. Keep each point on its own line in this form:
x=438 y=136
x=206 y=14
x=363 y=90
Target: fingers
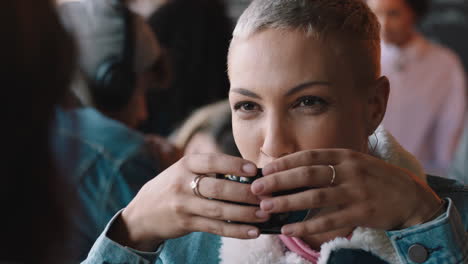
x=309 y=158
x=227 y=191
x=223 y=211
x=314 y=198
x=305 y=176
x=219 y=163
x=222 y=228
x=344 y=218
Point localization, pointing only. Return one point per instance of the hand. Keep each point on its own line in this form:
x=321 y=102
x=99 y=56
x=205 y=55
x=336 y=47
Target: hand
x=368 y=192
x=166 y=207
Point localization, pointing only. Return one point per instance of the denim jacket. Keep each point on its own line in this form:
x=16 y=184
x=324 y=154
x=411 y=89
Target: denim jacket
x=106 y=161
x=445 y=239
x=441 y=240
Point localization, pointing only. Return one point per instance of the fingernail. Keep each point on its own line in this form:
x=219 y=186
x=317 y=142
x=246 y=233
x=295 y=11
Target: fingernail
x=257 y=187
x=261 y=214
x=249 y=168
x=266 y=205
x=287 y=231
x=267 y=170
x=253 y=233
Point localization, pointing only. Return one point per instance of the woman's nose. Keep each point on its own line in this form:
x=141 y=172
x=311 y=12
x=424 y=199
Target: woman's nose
x=278 y=140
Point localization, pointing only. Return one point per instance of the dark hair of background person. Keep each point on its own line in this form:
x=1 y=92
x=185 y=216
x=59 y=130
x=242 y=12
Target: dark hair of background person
x=196 y=35
x=419 y=7
x=37 y=62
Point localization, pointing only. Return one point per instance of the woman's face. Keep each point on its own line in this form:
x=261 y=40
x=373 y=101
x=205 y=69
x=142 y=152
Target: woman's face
x=291 y=93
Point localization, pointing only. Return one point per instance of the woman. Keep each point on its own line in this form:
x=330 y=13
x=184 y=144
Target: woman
x=37 y=62
x=306 y=94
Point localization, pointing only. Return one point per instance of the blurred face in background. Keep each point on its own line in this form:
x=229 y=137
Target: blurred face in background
x=157 y=77
x=397 y=20
x=136 y=111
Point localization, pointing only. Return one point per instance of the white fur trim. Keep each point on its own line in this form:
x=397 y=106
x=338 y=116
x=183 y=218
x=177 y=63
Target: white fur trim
x=371 y=240
x=269 y=249
x=384 y=146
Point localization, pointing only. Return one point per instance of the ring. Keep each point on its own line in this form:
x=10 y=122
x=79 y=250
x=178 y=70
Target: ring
x=194 y=185
x=333 y=174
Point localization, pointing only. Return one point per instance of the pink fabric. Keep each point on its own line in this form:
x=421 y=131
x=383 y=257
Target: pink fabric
x=301 y=248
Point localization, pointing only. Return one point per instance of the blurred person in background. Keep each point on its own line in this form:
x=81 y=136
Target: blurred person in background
x=207 y=130
x=426 y=109
x=120 y=59
x=37 y=65
x=98 y=149
x=196 y=35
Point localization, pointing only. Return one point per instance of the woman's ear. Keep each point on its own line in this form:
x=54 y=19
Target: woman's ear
x=377 y=103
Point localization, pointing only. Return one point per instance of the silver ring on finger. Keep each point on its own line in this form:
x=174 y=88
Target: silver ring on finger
x=194 y=185
x=333 y=176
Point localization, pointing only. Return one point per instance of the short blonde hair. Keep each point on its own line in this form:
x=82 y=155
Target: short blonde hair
x=318 y=19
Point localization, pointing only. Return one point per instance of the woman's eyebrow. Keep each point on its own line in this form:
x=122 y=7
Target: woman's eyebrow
x=306 y=85
x=245 y=92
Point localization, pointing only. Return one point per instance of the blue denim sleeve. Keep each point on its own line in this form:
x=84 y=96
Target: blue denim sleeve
x=106 y=251
x=443 y=240
x=107 y=187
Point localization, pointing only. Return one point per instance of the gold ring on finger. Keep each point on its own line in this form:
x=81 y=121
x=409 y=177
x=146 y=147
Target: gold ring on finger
x=333 y=176
x=194 y=185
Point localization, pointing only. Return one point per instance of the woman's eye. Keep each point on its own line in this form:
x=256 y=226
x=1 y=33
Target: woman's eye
x=246 y=106
x=311 y=103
